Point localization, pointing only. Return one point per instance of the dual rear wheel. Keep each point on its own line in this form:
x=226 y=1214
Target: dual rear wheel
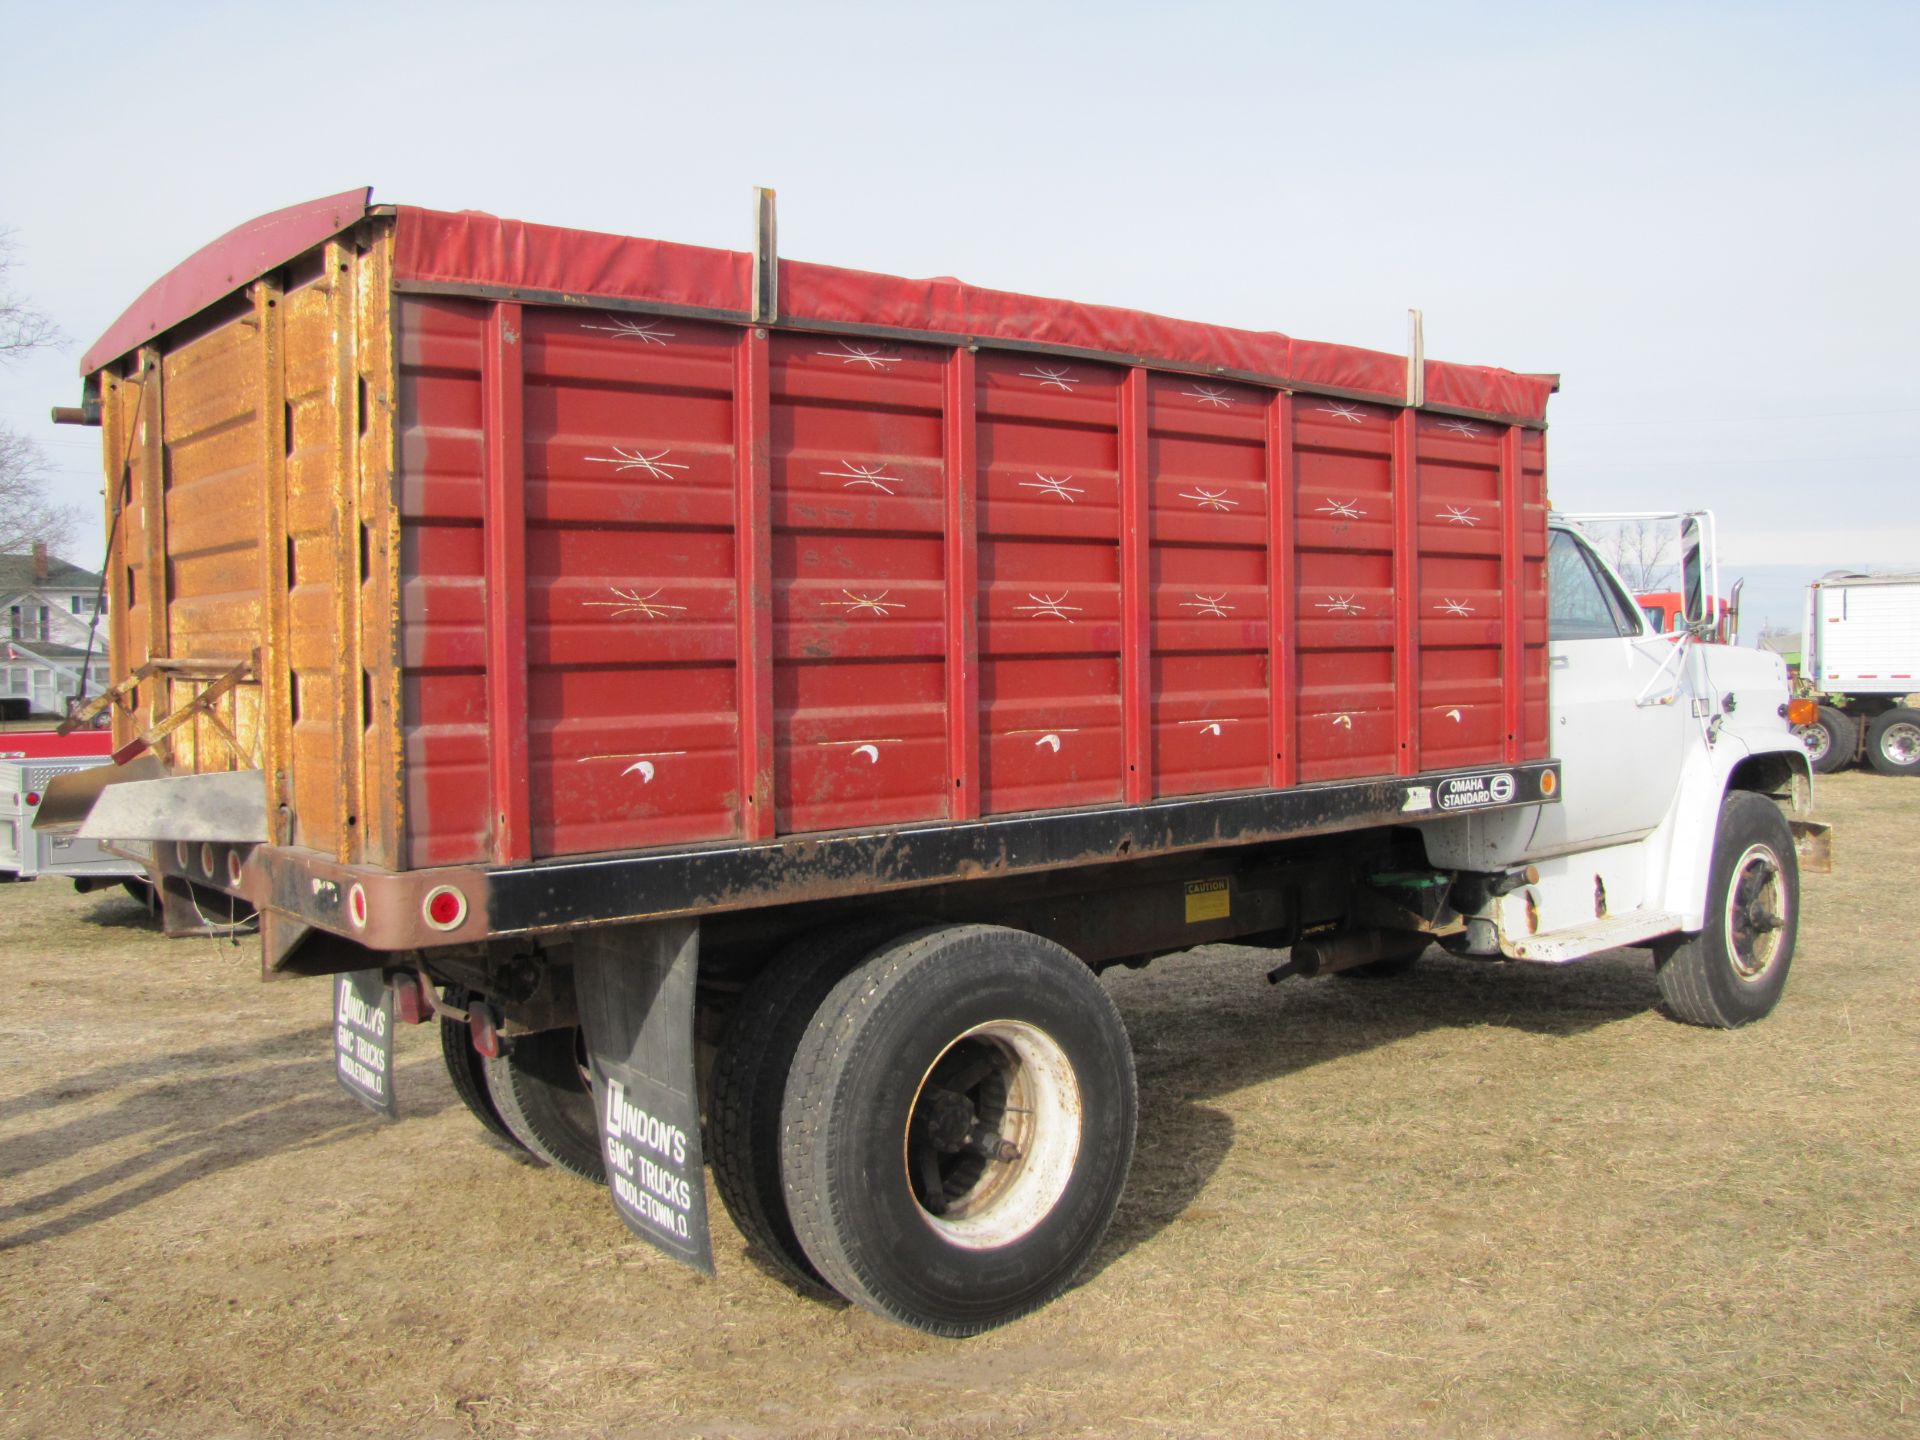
x=954 y=1125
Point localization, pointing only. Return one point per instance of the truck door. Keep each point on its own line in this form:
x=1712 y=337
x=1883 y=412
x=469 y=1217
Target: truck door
x=1618 y=708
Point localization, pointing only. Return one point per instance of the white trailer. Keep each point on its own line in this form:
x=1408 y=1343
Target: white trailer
x=1861 y=662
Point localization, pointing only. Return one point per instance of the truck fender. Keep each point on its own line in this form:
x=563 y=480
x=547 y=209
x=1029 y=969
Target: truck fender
x=1679 y=870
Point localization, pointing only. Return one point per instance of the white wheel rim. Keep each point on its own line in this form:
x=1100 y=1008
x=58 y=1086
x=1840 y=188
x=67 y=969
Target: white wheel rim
x=1900 y=743
x=987 y=1161
x=1815 y=738
x=1757 y=913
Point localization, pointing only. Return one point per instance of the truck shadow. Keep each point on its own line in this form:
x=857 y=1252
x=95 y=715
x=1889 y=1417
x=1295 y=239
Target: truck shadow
x=193 y=1127
x=1207 y=1024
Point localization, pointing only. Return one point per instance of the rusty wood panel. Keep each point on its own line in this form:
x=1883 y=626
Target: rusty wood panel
x=151 y=442
x=344 y=381
x=376 y=467
x=120 y=404
x=275 y=667
x=502 y=383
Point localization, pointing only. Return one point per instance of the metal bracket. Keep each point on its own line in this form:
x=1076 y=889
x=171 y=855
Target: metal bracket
x=222 y=676
x=766 y=259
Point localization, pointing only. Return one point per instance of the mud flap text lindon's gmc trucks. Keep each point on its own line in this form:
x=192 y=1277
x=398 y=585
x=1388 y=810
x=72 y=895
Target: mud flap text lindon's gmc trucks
x=745 y=703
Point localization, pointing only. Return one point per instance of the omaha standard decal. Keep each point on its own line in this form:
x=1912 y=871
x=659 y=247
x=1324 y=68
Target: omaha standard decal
x=1473 y=792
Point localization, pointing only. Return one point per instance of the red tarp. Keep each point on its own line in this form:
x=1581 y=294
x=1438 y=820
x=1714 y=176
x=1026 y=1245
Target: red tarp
x=475 y=249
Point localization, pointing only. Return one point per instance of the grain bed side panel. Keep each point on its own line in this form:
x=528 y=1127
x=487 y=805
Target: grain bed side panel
x=1102 y=575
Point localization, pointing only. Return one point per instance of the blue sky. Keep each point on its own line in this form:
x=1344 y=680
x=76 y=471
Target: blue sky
x=1702 y=216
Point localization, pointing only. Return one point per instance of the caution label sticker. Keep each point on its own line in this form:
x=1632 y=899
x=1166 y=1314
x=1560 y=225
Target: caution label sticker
x=1208 y=900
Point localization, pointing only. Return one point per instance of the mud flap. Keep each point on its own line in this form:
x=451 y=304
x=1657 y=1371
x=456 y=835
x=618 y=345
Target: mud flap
x=363 y=1039
x=635 y=989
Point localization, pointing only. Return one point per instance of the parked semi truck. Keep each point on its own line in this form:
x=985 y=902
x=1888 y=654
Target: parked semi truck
x=746 y=703
x=1860 y=662
x=32 y=753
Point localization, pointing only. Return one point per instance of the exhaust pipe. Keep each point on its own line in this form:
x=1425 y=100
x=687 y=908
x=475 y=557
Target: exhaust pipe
x=1348 y=950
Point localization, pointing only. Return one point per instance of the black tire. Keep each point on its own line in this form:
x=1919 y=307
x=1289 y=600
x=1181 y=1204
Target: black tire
x=1893 y=742
x=921 y=1061
x=545 y=1101
x=467 y=1069
x=1733 y=972
x=749 y=1084
x=1831 y=740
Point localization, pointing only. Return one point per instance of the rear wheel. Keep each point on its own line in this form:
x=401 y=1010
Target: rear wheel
x=467 y=1069
x=1893 y=742
x=1733 y=971
x=958 y=1127
x=1831 y=739
x=749 y=1084
x=540 y=1088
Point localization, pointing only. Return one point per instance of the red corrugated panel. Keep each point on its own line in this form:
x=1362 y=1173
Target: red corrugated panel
x=859 y=607
x=1211 y=697
x=442 y=565
x=1049 y=555
x=631 y=615
x=1344 y=509
x=1461 y=718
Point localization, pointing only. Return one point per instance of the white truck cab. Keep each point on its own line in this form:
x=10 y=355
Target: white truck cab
x=1671 y=746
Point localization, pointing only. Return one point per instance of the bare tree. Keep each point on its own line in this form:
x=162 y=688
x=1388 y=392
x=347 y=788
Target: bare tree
x=1642 y=551
x=27 y=513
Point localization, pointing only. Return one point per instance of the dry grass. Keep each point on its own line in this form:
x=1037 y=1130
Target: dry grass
x=1483 y=1201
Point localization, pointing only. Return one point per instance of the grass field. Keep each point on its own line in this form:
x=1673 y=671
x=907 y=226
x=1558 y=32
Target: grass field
x=1479 y=1201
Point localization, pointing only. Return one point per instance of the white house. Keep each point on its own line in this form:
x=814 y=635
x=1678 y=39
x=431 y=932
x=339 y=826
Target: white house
x=47 y=612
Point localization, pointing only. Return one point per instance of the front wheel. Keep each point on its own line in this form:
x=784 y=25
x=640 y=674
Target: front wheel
x=958 y=1126
x=1733 y=971
x=1893 y=742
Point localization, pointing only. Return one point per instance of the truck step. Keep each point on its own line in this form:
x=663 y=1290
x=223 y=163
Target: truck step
x=1557 y=947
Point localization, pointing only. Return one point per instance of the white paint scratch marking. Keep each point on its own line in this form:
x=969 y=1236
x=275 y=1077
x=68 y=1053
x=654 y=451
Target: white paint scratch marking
x=1454 y=715
x=1210 y=395
x=1047 y=485
x=1344 y=720
x=857 y=475
x=1340 y=605
x=1051 y=741
x=1208 y=604
x=1459 y=515
x=1345 y=412
x=1210 y=727
x=879 y=605
x=871 y=356
x=646 y=331
x=631 y=602
x=1459 y=427
x=655 y=465
x=1342 y=509
x=1050 y=607
x=1455 y=607
x=1208 y=499
x=1056 y=376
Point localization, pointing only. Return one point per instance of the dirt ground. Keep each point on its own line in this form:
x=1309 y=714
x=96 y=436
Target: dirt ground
x=1480 y=1201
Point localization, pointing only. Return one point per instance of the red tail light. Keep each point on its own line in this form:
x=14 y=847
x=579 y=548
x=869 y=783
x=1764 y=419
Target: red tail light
x=409 y=1005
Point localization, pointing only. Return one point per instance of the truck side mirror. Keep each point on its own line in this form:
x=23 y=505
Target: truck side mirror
x=1693 y=574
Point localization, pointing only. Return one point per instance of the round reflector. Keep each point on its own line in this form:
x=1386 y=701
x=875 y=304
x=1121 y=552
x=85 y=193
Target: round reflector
x=357 y=905
x=445 y=907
